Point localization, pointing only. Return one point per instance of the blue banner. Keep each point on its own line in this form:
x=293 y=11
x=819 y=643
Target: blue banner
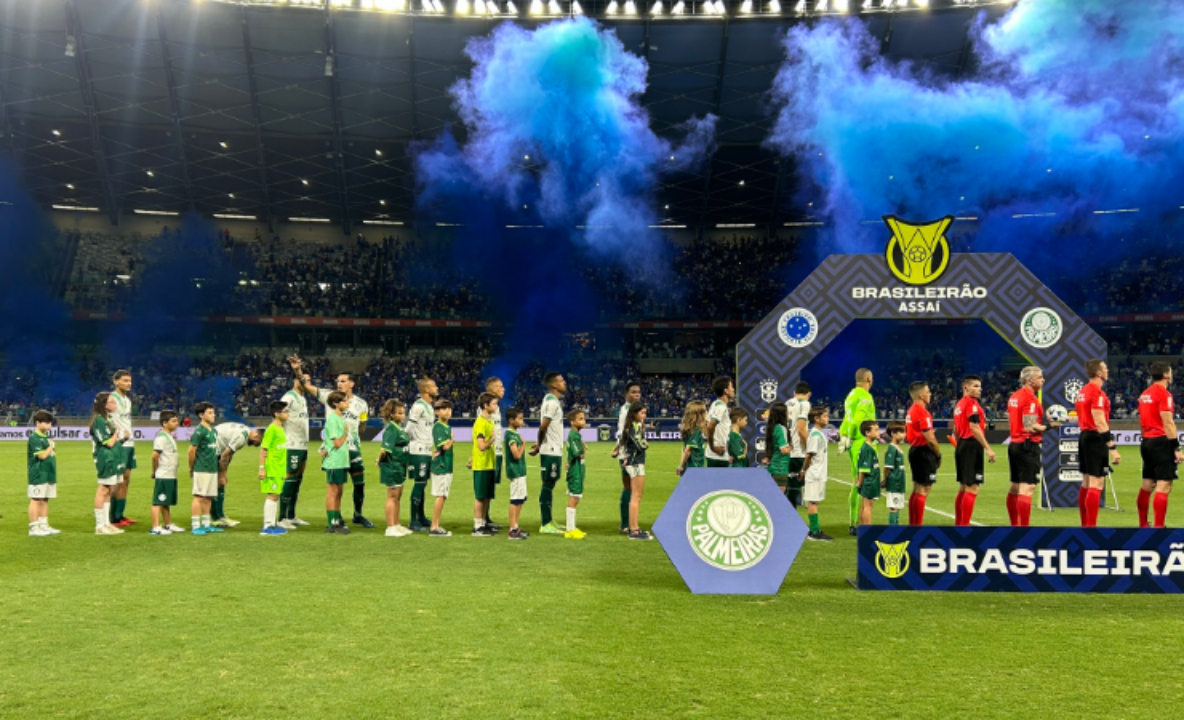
x=1031 y=559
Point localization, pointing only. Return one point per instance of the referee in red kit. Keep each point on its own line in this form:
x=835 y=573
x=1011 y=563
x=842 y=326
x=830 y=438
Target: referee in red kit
x=1095 y=446
x=972 y=446
x=1025 y=416
x=1161 y=445
x=924 y=452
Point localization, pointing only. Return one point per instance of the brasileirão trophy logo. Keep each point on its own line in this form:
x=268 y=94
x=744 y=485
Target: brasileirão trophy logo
x=918 y=254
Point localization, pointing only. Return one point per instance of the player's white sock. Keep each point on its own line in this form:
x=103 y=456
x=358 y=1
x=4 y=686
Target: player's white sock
x=478 y=523
x=101 y=517
x=571 y=518
x=270 y=509
x=43 y=521
x=205 y=520
x=33 y=526
x=107 y=513
x=195 y=521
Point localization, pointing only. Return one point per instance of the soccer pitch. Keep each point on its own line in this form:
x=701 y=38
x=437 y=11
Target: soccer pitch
x=318 y=626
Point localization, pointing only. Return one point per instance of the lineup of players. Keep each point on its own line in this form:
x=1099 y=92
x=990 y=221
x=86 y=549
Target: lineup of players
x=417 y=445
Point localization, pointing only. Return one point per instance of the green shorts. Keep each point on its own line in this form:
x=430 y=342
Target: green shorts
x=296 y=462
x=552 y=467
x=795 y=473
x=271 y=486
x=870 y=489
x=338 y=476
x=419 y=468
x=484 y=482
x=392 y=476
x=781 y=480
x=575 y=486
x=164 y=492
x=717 y=463
x=127 y=457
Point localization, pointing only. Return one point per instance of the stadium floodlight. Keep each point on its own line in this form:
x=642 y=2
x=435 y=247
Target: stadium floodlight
x=462 y=7
x=800 y=8
x=382 y=222
x=382 y=202
x=921 y=3
x=720 y=8
x=821 y=5
x=576 y=8
x=612 y=7
x=774 y=7
x=479 y=7
x=69 y=186
x=536 y=7
x=303 y=181
x=657 y=8
x=75 y=208
x=329 y=65
x=56 y=133
x=553 y=8
x=234 y=216
x=71 y=45
x=746 y=7
x=149 y=173
x=155 y=212
x=842 y=6
x=630 y=7
x=309 y=219
x=679 y=8
x=511 y=8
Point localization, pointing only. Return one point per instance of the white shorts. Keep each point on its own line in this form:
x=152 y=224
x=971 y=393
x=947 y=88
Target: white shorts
x=111 y=481
x=635 y=470
x=895 y=501
x=518 y=489
x=205 y=484
x=44 y=491
x=441 y=485
x=814 y=490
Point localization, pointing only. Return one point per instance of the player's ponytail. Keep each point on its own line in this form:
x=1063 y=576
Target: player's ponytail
x=693 y=418
x=778 y=415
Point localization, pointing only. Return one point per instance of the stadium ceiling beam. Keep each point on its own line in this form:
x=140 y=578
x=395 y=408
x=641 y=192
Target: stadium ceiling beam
x=331 y=71
x=716 y=102
x=411 y=77
x=87 y=89
x=257 y=118
x=174 y=107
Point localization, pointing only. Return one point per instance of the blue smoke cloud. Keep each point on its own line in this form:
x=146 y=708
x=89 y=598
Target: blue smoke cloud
x=557 y=139
x=1076 y=106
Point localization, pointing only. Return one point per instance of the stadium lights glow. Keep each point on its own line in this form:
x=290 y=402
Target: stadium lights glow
x=536 y=7
x=230 y=195
x=723 y=226
x=462 y=7
x=630 y=7
x=576 y=8
x=774 y=7
x=155 y=212
x=70 y=186
x=553 y=8
x=821 y=5
x=720 y=8
x=382 y=202
x=668 y=227
x=511 y=8
x=382 y=222
x=229 y=216
x=802 y=224
x=612 y=7
x=680 y=8
x=304 y=219
x=921 y=3
x=1112 y=212
x=379 y=152
x=1032 y=215
x=746 y=7
x=479 y=6
x=75 y=208
x=303 y=181
x=657 y=8
x=223 y=145
x=150 y=173
x=800 y=8
x=57 y=133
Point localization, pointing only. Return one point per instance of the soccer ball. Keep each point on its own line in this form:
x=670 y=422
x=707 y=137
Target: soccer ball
x=1057 y=414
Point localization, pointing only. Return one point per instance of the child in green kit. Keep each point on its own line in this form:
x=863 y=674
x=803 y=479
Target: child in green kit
x=575 y=472
x=777 y=445
x=737 y=446
x=335 y=459
x=441 y=464
x=894 y=479
x=273 y=467
x=694 y=420
x=43 y=475
x=392 y=463
x=869 y=470
x=516 y=472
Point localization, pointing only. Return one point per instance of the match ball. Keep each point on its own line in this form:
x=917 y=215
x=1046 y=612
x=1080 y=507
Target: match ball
x=1057 y=414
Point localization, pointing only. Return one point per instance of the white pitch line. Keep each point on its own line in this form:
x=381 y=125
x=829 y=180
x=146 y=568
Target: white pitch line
x=928 y=508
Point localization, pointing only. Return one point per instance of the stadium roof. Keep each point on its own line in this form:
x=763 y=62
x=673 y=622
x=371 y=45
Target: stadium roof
x=235 y=108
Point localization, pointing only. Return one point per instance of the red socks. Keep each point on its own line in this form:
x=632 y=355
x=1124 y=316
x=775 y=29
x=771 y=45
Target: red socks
x=1011 y=509
x=958 y=507
x=967 y=507
x=1093 y=500
x=916 y=509
x=1161 y=508
x=1023 y=509
x=1144 y=504
x=1082 y=499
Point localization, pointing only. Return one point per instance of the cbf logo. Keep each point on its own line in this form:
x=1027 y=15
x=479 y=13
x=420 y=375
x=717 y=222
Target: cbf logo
x=1041 y=327
x=768 y=390
x=892 y=560
x=1073 y=388
x=729 y=529
x=917 y=254
x=798 y=327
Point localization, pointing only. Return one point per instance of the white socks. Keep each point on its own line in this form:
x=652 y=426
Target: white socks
x=271 y=508
x=478 y=523
x=571 y=518
x=103 y=516
x=195 y=521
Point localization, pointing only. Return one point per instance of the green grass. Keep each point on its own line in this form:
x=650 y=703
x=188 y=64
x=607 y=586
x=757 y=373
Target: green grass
x=308 y=625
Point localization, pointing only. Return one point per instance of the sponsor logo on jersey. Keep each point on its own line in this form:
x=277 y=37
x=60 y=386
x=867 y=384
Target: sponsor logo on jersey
x=892 y=560
x=917 y=254
x=1041 y=327
x=797 y=327
x=730 y=530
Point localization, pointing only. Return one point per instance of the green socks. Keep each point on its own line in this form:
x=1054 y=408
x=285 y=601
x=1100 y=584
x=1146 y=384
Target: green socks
x=894 y=518
x=626 y=498
x=288 y=499
x=334 y=517
x=418 y=490
x=117 y=508
x=545 y=496
x=853 y=500
x=218 y=503
x=815 y=527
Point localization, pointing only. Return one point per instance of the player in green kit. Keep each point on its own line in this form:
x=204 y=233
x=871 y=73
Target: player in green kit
x=516 y=472
x=482 y=464
x=335 y=460
x=392 y=463
x=203 y=470
x=869 y=471
x=894 y=479
x=858 y=408
x=737 y=446
x=43 y=475
x=694 y=422
x=273 y=467
x=420 y=420
x=575 y=472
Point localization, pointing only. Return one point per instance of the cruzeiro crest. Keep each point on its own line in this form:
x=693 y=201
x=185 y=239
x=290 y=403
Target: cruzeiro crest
x=892 y=560
x=918 y=254
x=729 y=529
x=769 y=390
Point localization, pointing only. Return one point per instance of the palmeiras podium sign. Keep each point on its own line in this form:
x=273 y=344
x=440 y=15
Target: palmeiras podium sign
x=918 y=278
